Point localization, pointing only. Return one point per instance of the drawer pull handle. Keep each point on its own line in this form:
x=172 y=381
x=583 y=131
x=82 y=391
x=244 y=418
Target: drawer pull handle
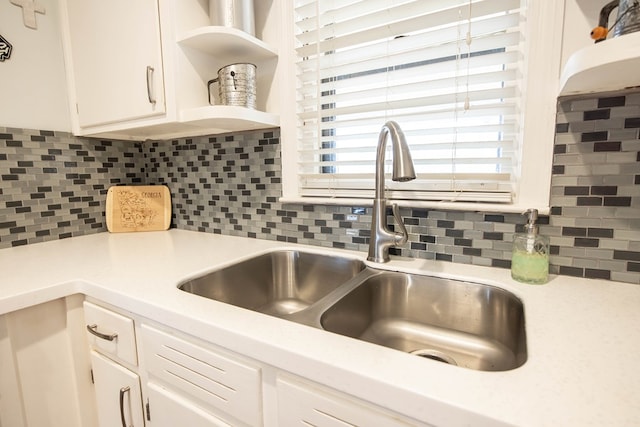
x=123 y=390
x=93 y=329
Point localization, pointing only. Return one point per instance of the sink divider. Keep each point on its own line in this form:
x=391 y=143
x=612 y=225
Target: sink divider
x=311 y=315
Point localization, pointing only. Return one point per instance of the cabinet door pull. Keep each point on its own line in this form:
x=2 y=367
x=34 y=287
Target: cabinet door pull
x=150 y=95
x=93 y=329
x=123 y=390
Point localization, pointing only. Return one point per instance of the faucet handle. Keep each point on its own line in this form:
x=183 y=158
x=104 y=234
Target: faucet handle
x=402 y=237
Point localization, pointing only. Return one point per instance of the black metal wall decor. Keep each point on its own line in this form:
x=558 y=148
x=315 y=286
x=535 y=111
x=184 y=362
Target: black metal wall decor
x=5 y=49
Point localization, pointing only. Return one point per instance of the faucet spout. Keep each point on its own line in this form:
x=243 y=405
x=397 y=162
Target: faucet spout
x=382 y=238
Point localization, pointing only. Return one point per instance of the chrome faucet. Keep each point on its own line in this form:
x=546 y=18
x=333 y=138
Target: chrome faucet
x=381 y=237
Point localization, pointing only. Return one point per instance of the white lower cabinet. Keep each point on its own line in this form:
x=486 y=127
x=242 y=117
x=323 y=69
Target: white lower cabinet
x=306 y=404
x=222 y=384
x=114 y=364
x=118 y=393
x=45 y=376
x=172 y=379
x=171 y=409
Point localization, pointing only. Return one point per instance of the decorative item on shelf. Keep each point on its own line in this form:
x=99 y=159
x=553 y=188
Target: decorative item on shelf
x=236 y=85
x=627 y=21
x=5 y=49
x=233 y=13
x=29 y=10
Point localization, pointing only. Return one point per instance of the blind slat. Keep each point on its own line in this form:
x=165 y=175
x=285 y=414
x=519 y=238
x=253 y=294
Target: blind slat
x=426 y=101
x=371 y=122
x=395 y=21
x=497 y=145
x=447 y=85
x=482 y=29
x=344 y=10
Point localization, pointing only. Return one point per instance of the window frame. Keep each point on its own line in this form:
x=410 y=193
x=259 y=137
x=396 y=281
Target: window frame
x=543 y=53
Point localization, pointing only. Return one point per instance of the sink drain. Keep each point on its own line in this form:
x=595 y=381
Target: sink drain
x=435 y=355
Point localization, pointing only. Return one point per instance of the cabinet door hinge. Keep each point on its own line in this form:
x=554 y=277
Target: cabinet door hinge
x=93 y=381
x=148 y=411
x=77 y=108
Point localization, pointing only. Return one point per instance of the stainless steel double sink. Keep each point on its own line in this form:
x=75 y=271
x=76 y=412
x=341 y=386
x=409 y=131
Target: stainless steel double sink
x=461 y=323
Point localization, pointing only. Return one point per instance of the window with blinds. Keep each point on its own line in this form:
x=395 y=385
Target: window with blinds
x=448 y=71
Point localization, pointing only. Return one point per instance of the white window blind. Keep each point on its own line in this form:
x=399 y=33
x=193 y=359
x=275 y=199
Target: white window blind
x=448 y=71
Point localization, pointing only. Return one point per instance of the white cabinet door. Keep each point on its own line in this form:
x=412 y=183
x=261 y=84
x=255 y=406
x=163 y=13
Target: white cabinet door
x=117 y=61
x=118 y=394
x=167 y=409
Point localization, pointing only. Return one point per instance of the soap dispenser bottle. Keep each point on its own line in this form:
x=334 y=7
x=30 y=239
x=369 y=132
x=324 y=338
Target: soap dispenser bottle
x=530 y=256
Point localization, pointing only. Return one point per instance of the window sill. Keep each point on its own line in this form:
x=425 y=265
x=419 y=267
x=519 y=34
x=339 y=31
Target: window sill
x=444 y=206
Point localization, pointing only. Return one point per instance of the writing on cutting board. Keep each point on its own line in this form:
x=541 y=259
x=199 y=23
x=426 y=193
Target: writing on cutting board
x=151 y=194
x=134 y=210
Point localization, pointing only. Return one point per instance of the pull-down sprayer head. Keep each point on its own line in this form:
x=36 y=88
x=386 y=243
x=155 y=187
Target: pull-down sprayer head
x=402 y=163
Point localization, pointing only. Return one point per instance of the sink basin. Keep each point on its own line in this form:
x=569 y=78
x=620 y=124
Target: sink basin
x=276 y=283
x=471 y=325
x=466 y=324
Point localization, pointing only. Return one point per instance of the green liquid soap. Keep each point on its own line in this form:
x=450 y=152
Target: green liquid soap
x=529 y=267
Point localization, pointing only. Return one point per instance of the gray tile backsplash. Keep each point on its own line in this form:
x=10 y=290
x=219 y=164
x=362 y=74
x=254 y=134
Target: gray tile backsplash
x=230 y=184
x=54 y=186
x=595 y=187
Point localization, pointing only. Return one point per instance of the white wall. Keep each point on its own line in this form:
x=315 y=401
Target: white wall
x=33 y=91
x=581 y=16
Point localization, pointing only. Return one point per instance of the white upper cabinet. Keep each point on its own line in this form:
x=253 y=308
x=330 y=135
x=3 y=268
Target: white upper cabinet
x=140 y=70
x=116 y=60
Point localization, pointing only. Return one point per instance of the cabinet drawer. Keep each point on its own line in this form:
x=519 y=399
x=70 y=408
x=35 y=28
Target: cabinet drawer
x=111 y=333
x=212 y=378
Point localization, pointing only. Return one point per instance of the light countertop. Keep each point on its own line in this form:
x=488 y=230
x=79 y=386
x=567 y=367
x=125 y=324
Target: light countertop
x=583 y=336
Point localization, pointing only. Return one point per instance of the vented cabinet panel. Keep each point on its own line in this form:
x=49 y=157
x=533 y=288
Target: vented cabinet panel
x=214 y=379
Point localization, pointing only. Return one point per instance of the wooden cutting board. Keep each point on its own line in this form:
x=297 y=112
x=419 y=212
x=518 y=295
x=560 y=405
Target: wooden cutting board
x=138 y=208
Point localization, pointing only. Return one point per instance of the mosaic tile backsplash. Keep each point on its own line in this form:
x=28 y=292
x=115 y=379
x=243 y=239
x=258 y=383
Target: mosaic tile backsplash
x=595 y=188
x=54 y=186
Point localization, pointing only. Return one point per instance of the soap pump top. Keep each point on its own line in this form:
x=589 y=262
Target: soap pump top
x=531 y=227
